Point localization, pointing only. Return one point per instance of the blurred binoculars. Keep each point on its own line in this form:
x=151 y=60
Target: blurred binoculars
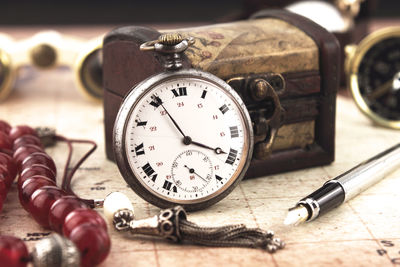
x=50 y=49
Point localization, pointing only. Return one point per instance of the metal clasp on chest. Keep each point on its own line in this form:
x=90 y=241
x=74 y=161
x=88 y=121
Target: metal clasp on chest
x=259 y=93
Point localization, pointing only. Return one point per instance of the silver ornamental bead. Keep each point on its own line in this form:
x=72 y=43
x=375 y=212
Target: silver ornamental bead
x=122 y=218
x=55 y=251
x=278 y=242
x=46 y=135
x=271 y=248
x=270 y=234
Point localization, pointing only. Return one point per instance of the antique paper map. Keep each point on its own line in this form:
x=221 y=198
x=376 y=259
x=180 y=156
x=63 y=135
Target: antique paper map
x=364 y=231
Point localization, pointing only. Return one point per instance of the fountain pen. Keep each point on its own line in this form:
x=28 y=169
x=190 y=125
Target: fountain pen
x=344 y=187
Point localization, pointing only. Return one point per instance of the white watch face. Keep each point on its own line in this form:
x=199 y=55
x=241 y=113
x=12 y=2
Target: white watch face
x=186 y=140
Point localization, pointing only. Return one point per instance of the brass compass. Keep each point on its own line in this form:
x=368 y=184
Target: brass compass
x=373 y=76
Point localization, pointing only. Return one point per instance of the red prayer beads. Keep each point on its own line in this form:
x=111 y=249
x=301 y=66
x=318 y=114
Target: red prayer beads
x=7 y=161
x=27 y=140
x=24 y=151
x=5 y=127
x=21 y=130
x=30 y=186
x=36 y=169
x=41 y=201
x=5 y=183
x=81 y=216
x=3 y=193
x=49 y=205
x=61 y=208
x=13 y=252
x=39 y=158
x=6 y=176
x=93 y=241
x=5 y=141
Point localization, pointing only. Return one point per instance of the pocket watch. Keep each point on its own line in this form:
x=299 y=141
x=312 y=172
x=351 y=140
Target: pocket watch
x=182 y=136
x=373 y=76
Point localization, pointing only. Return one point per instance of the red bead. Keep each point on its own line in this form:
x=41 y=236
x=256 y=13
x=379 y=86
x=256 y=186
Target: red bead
x=24 y=151
x=5 y=141
x=41 y=201
x=61 y=208
x=81 y=216
x=3 y=190
x=5 y=175
x=5 y=127
x=36 y=169
x=6 y=151
x=30 y=186
x=21 y=130
x=27 y=140
x=8 y=162
x=13 y=252
x=39 y=158
x=93 y=243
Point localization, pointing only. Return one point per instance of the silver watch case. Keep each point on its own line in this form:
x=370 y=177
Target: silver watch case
x=131 y=100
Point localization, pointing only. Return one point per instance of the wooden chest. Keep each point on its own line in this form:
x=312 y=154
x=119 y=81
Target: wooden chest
x=291 y=54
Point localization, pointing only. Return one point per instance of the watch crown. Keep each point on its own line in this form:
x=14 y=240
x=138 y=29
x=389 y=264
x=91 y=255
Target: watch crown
x=170 y=38
x=170 y=46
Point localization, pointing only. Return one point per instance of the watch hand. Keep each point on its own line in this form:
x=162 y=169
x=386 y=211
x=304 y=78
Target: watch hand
x=217 y=150
x=159 y=101
x=191 y=170
x=381 y=90
x=186 y=139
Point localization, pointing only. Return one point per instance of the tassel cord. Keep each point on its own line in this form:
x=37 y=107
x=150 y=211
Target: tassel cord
x=68 y=171
x=229 y=236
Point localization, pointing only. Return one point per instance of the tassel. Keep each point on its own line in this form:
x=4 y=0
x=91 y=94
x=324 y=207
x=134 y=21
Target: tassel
x=230 y=236
x=173 y=225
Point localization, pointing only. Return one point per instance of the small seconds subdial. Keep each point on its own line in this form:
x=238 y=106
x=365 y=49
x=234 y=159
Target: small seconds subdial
x=192 y=170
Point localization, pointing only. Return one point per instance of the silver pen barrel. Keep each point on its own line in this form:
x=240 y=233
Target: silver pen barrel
x=345 y=186
x=369 y=172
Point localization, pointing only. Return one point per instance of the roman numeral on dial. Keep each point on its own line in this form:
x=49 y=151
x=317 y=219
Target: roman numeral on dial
x=168 y=186
x=156 y=101
x=181 y=91
x=224 y=108
x=141 y=123
x=139 y=150
x=203 y=95
x=231 y=156
x=234 y=131
x=148 y=170
x=219 y=178
x=154 y=104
